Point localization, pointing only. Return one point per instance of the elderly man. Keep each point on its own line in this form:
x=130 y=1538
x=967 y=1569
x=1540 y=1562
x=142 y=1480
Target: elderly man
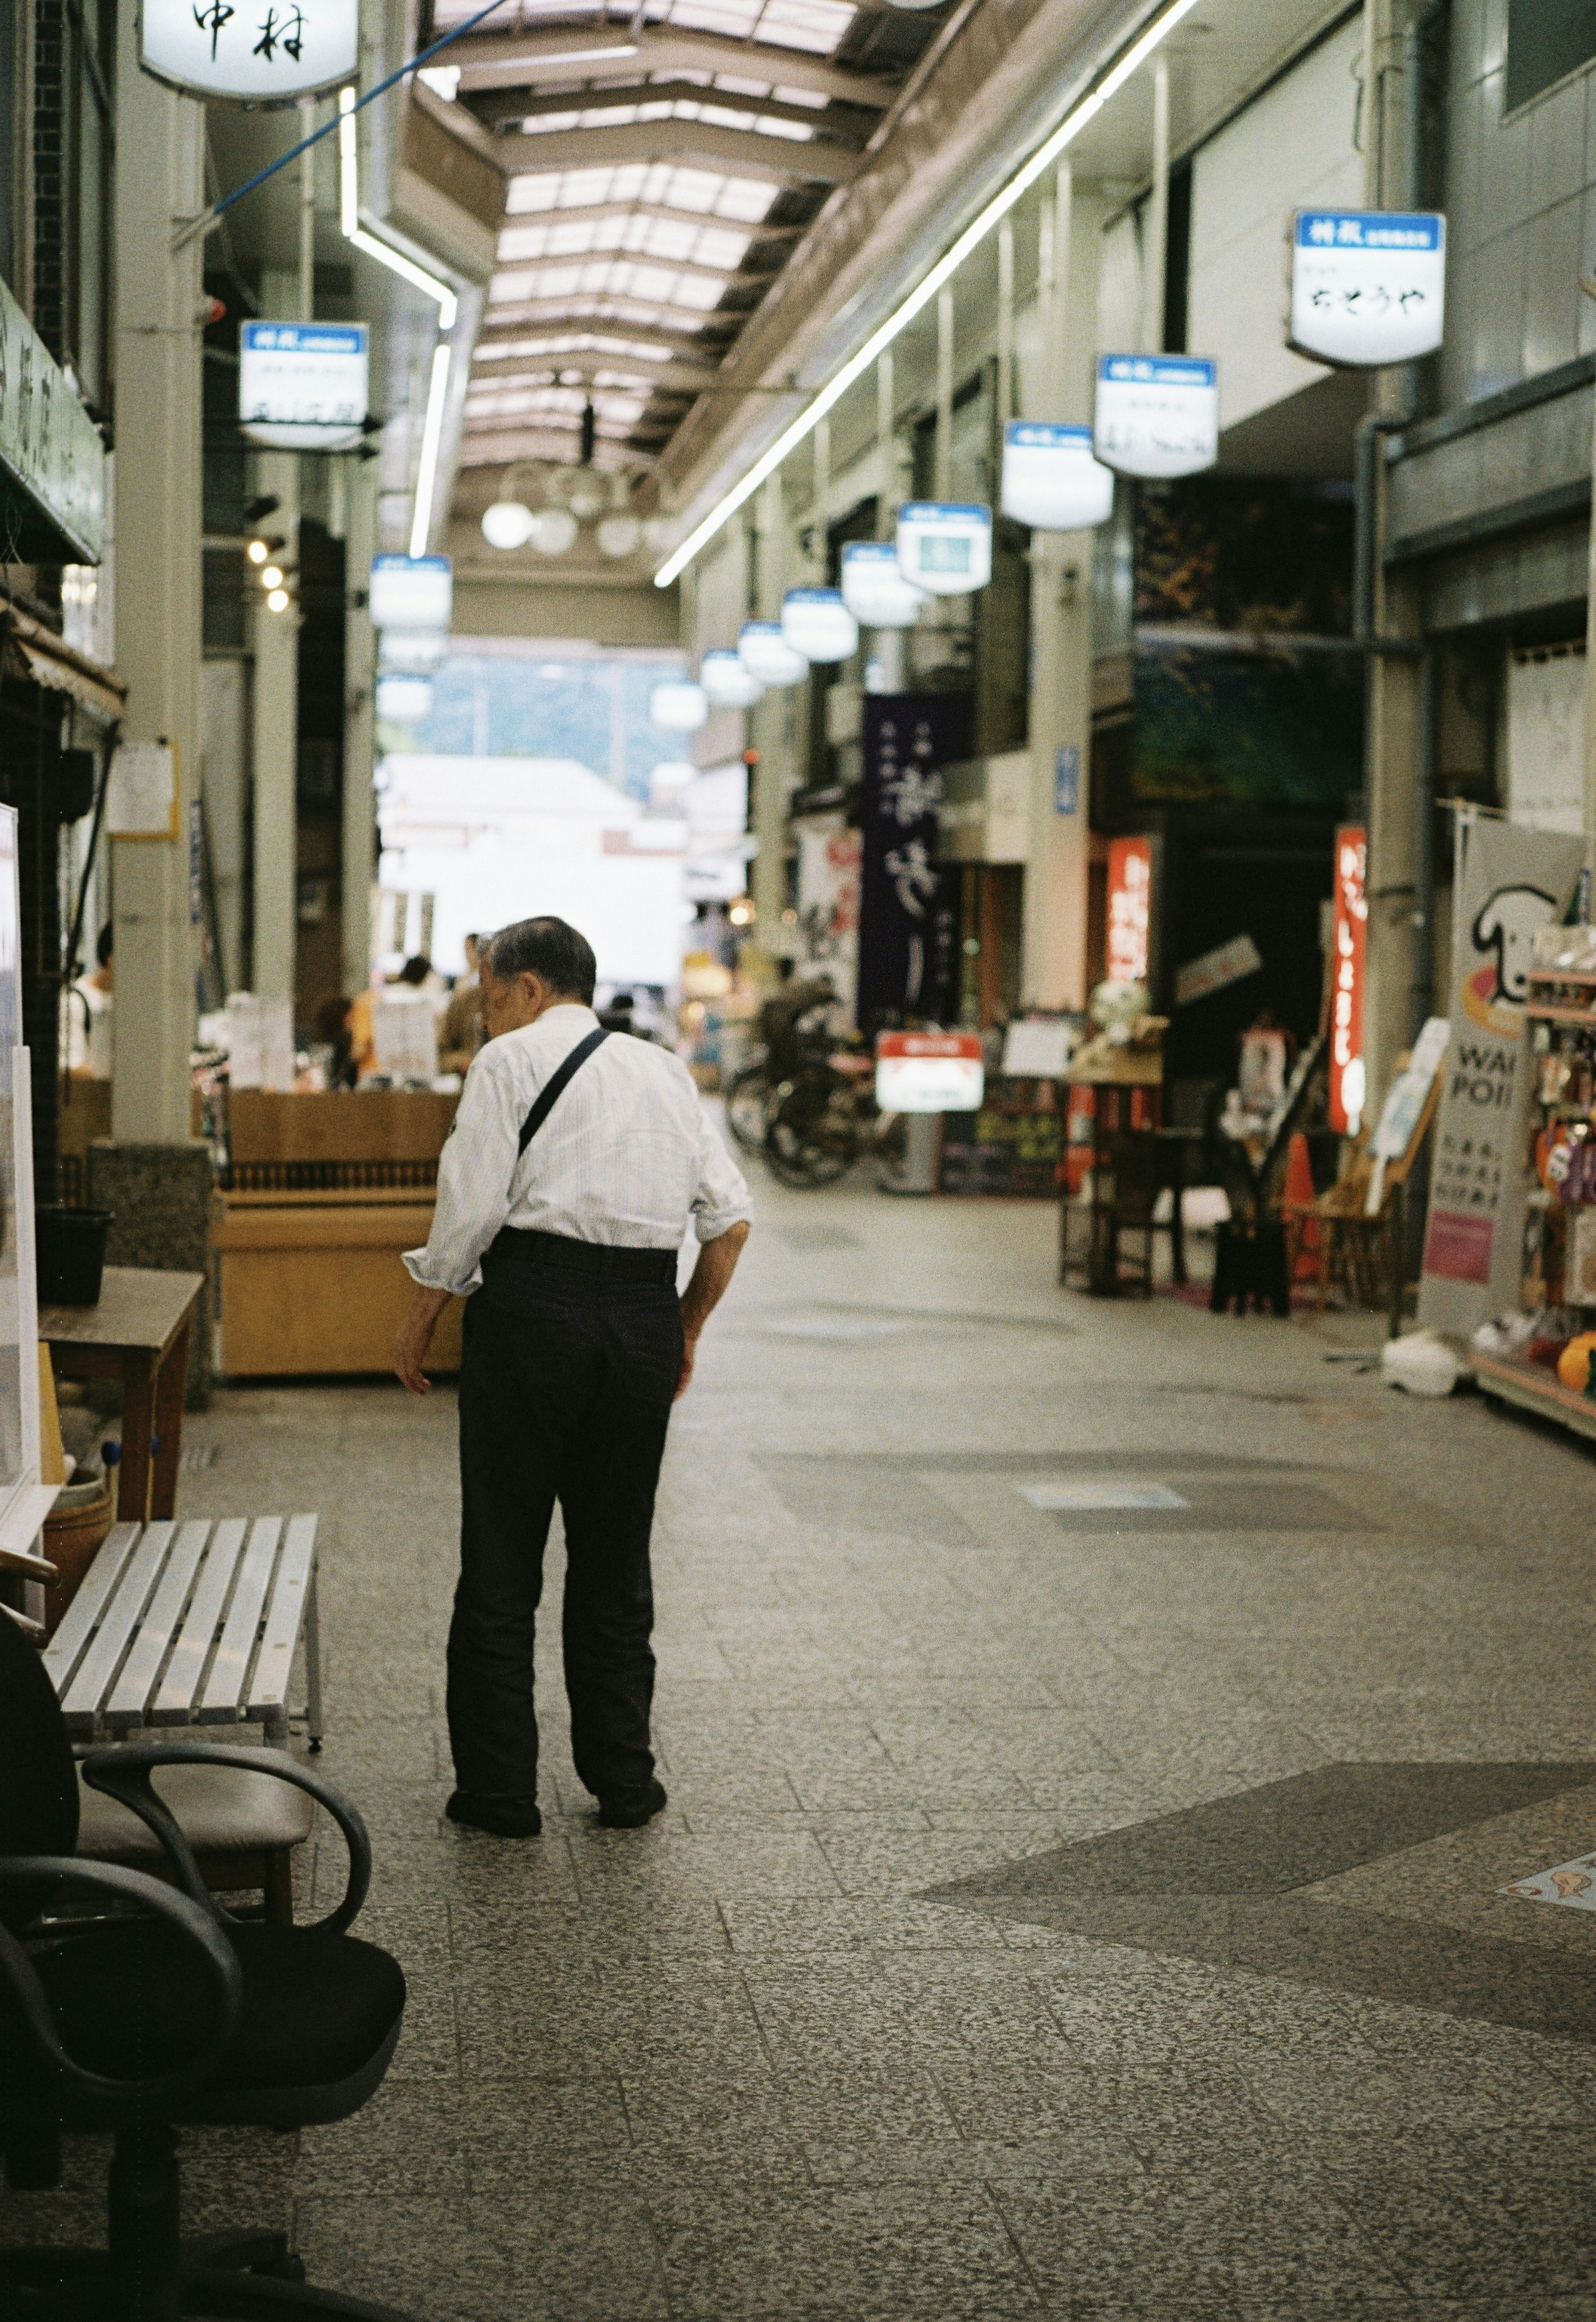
x=564 y=1194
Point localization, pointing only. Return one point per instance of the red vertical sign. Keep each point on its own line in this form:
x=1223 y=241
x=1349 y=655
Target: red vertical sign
x=1350 y=939
x=1130 y=909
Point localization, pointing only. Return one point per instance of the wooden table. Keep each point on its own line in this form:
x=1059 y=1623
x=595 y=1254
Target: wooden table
x=138 y=1334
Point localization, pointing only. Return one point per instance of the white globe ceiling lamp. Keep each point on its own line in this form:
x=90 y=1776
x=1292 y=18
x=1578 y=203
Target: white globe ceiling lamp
x=1051 y=479
x=874 y=588
x=556 y=531
x=765 y=653
x=618 y=535
x=404 y=701
x=727 y=682
x=508 y=523
x=677 y=707
x=818 y=624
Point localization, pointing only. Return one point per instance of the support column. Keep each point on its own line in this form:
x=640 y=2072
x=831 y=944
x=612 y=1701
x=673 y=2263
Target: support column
x=359 y=727
x=1060 y=853
x=769 y=728
x=275 y=639
x=154 y=1175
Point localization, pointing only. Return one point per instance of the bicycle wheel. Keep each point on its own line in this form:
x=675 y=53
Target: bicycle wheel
x=748 y=1104
x=812 y=1137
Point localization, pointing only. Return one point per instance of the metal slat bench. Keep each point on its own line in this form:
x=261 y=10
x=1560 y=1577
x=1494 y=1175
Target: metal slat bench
x=191 y=1624
x=197 y=1625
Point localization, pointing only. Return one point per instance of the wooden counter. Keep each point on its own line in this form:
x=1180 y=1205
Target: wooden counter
x=312 y=1283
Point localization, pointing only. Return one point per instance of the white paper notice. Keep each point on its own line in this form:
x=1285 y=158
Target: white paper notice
x=260 y=1043
x=141 y=795
x=404 y=1033
x=1038 y=1051
x=1574 y=1883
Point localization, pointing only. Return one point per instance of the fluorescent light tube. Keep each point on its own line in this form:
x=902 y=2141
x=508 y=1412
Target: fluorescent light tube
x=925 y=290
x=432 y=435
x=397 y=263
x=348 y=173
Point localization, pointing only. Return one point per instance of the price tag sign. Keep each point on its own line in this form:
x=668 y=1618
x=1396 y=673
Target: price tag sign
x=1368 y=287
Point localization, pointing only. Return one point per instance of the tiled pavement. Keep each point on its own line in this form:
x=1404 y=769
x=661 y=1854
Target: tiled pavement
x=808 y=2047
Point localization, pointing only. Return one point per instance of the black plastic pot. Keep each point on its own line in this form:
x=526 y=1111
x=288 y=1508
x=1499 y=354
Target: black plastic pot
x=69 y=1255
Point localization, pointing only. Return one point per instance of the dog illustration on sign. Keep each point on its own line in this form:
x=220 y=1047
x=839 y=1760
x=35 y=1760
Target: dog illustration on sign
x=1503 y=936
x=1573 y=1883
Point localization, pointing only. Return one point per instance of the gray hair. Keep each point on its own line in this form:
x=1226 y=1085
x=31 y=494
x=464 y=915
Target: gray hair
x=548 y=949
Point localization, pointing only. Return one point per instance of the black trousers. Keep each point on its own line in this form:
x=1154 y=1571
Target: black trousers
x=565 y=1394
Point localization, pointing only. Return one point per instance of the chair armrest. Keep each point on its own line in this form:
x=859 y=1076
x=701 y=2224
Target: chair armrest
x=213 y=1956
x=124 y=1772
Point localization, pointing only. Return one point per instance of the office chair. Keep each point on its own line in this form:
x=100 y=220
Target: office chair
x=160 y=2011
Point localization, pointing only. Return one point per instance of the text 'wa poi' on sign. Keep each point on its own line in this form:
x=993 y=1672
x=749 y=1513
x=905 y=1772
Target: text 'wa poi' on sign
x=1368 y=287
x=1226 y=963
x=1157 y=415
x=254 y=51
x=301 y=386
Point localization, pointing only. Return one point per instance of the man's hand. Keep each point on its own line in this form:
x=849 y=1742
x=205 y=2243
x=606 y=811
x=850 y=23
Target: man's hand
x=717 y=1262
x=415 y=1336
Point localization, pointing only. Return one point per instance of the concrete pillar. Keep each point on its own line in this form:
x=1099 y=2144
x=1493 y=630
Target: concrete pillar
x=770 y=728
x=1060 y=854
x=158 y=598
x=1393 y=758
x=274 y=639
x=360 y=726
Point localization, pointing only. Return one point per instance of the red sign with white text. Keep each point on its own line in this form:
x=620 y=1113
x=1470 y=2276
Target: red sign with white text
x=1349 y=939
x=1130 y=909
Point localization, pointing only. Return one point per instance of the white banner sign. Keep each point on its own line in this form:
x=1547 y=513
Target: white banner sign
x=1051 y=479
x=1513 y=882
x=257 y=51
x=1368 y=287
x=1157 y=415
x=301 y=386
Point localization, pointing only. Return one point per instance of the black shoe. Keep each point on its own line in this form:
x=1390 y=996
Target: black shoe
x=506 y=1815
x=630 y=1809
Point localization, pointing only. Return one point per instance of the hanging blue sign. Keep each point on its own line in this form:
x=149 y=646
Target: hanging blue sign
x=1368 y=287
x=1157 y=415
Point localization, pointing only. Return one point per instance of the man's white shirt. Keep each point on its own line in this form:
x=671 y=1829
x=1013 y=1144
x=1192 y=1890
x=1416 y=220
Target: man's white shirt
x=626 y=1156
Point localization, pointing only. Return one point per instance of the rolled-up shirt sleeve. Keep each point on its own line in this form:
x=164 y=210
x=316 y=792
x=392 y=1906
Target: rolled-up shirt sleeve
x=722 y=1198
x=474 y=1175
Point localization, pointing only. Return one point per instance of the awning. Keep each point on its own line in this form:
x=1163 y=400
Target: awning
x=32 y=651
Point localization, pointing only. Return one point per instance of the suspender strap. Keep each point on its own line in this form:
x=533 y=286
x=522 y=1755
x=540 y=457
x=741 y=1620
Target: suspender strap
x=554 y=1087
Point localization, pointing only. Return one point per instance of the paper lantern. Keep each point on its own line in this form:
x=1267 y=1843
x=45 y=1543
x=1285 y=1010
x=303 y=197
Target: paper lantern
x=1157 y=415
x=677 y=707
x=874 y=588
x=556 y=531
x=508 y=523
x=726 y=681
x=404 y=701
x=818 y=624
x=1051 y=482
x=765 y=653
x=416 y=651
x=945 y=545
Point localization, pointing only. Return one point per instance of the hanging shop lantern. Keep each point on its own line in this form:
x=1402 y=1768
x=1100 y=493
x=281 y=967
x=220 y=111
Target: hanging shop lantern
x=1050 y=480
x=945 y=545
x=416 y=651
x=874 y=588
x=727 y=682
x=677 y=707
x=508 y=523
x=404 y=701
x=765 y=653
x=1157 y=415
x=1368 y=287
x=818 y=624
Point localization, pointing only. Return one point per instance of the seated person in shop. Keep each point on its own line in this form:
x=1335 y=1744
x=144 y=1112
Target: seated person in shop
x=334 y=1029
x=459 y=1035
x=88 y=1040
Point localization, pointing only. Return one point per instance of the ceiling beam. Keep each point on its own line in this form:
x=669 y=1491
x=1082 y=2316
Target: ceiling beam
x=724 y=278
x=498 y=108
x=653 y=211
x=740 y=152
x=528 y=58
x=620 y=376
x=496 y=334
x=573 y=312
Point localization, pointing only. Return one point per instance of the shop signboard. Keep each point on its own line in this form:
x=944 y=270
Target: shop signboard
x=1368 y=287
x=874 y=588
x=265 y=53
x=929 y=1071
x=945 y=545
x=52 y=461
x=1216 y=970
x=906 y=907
x=1349 y=940
x=1157 y=415
x=411 y=592
x=301 y=386
x=1130 y=909
x=818 y=624
x=1052 y=479
x=1513 y=881
x=829 y=905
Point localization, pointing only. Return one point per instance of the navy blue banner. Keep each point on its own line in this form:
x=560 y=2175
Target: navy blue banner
x=906 y=915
